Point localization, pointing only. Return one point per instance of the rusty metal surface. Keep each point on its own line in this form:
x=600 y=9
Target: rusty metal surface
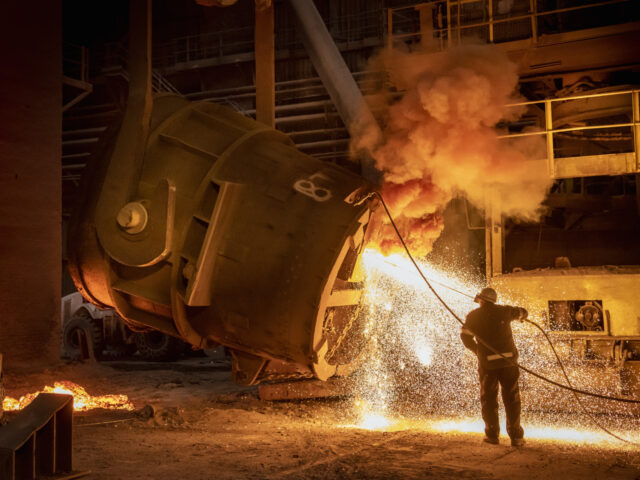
x=298 y=390
x=37 y=442
x=264 y=247
x=204 y=224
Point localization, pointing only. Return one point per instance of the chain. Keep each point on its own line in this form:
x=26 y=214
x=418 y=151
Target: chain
x=344 y=333
x=285 y=377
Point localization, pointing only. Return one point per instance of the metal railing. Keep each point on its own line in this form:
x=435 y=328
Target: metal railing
x=550 y=133
x=75 y=61
x=117 y=62
x=75 y=72
x=526 y=19
x=239 y=41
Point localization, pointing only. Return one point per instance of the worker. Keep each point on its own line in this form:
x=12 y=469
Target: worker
x=491 y=324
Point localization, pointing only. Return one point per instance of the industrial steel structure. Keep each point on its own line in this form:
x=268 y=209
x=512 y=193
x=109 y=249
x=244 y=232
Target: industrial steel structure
x=584 y=105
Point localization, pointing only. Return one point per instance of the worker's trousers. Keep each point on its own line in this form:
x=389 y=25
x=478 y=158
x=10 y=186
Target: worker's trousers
x=507 y=377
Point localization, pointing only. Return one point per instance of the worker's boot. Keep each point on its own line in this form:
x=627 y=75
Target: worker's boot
x=517 y=442
x=491 y=440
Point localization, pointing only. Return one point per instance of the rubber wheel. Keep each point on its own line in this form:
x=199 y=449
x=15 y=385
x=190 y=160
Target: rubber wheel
x=159 y=347
x=81 y=320
x=119 y=352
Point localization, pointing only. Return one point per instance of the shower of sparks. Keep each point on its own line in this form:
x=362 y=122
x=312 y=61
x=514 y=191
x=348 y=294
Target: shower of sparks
x=417 y=366
x=475 y=426
x=82 y=400
x=534 y=431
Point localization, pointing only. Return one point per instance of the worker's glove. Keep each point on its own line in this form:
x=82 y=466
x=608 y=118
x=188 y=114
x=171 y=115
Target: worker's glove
x=523 y=314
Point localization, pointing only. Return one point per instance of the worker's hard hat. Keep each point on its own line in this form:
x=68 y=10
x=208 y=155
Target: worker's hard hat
x=488 y=295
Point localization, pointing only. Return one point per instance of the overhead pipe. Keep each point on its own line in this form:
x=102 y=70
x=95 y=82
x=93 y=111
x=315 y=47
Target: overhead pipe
x=337 y=79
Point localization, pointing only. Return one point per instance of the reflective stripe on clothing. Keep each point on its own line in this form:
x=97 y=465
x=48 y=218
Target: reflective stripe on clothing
x=499 y=356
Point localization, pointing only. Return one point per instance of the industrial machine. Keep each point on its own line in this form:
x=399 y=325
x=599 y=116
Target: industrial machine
x=203 y=224
x=228 y=235
x=206 y=225
x=109 y=336
x=577 y=269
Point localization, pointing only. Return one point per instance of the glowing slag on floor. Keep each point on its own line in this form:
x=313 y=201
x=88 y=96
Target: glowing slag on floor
x=374 y=421
x=538 y=432
x=82 y=400
x=371 y=417
x=416 y=366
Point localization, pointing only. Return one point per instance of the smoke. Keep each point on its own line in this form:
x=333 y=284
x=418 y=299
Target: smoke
x=439 y=141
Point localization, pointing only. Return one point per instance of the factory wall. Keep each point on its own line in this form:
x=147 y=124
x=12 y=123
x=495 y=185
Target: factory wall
x=30 y=182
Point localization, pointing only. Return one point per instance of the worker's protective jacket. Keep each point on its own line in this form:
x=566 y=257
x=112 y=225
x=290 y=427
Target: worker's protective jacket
x=492 y=323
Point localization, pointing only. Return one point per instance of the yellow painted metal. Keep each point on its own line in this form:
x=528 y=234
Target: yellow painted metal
x=594 y=165
x=589 y=165
x=617 y=287
x=548 y=122
x=263 y=239
x=493 y=233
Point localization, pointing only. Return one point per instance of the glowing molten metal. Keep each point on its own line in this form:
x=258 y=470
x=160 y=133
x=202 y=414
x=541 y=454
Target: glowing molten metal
x=82 y=401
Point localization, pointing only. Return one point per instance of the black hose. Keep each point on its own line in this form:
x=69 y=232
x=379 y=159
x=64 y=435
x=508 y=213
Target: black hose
x=573 y=390
x=487 y=345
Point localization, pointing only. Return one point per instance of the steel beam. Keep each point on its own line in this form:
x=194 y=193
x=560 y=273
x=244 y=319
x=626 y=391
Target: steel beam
x=336 y=77
x=264 y=46
x=37 y=442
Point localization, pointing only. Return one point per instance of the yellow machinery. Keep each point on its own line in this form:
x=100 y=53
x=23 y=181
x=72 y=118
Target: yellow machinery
x=595 y=306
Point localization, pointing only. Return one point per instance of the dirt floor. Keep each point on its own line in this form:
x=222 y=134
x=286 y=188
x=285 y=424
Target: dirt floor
x=205 y=427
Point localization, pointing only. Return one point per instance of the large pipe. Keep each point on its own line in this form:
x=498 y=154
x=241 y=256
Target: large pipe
x=336 y=77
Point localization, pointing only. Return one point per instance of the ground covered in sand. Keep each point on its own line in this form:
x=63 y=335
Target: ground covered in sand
x=202 y=426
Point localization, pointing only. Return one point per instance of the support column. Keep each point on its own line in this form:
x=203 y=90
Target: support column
x=30 y=183
x=534 y=21
x=490 y=20
x=493 y=234
x=265 y=65
x=635 y=102
x=548 y=120
x=426 y=26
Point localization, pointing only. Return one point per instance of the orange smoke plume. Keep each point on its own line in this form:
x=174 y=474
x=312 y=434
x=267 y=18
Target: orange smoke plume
x=439 y=141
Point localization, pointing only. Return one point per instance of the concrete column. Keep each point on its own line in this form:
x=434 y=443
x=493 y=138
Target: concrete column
x=30 y=182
